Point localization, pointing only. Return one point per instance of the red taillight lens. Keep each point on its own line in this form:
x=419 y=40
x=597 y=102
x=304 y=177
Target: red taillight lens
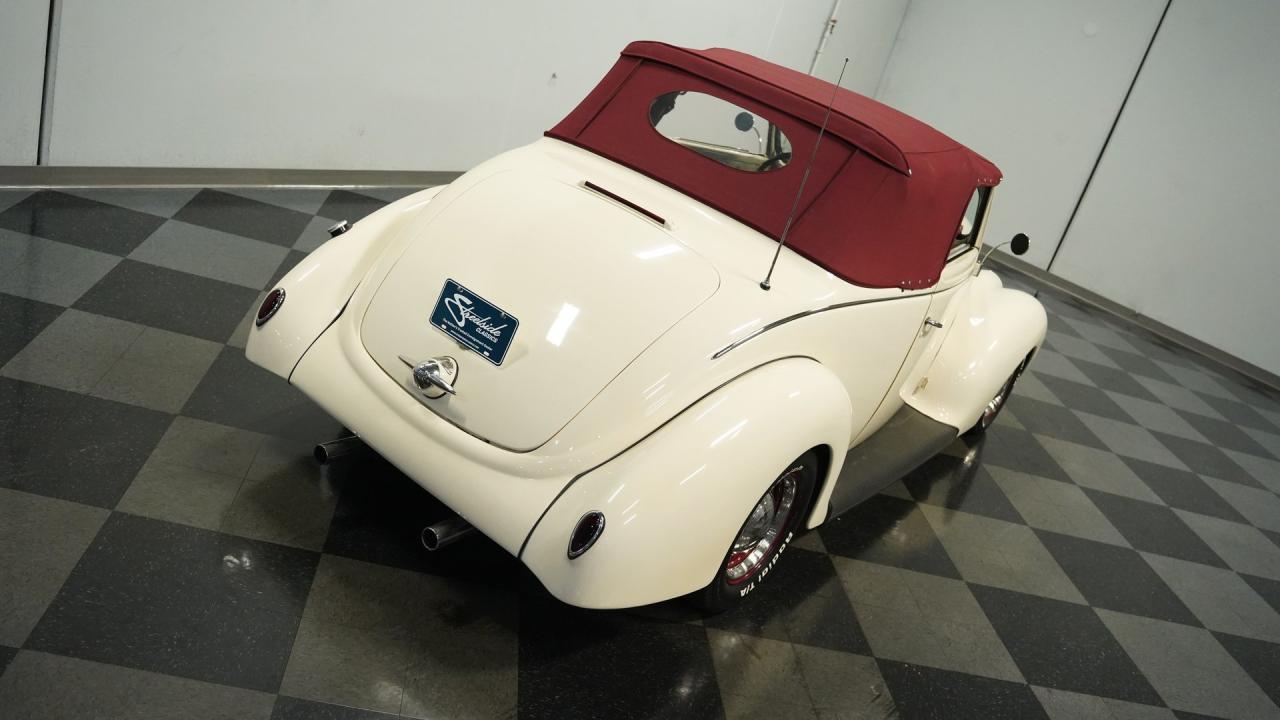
x=274 y=300
x=586 y=533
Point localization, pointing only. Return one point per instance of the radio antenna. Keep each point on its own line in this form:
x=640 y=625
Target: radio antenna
x=764 y=284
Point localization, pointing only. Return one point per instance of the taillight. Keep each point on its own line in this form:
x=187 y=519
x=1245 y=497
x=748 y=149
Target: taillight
x=274 y=300
x=586 y=533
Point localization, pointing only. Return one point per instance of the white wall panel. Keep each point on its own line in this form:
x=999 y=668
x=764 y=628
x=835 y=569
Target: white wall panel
x=1180 y=222
x=1033 y=86
x=386 y=84
x=23 y=29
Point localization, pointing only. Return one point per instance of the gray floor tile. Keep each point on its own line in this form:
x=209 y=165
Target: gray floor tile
x=1179 y=398
x=1030 y=385
x=158 y=371
x=240 y=338
x=315 y=234
x=1049 y=362
x=1099 y=333
x=55 y=215
x=346 y=665
x=1189 y=668
x=1157 y=416
x=49 y=271
x=924 y=620
x=161 y=202
x=843 y=685
x=51 y=687
x=1130 y=440
x=1097 y=469
x=208 y=446
x=74 y=352
x=1260 y=507
x=210 y=253
x=1266 y=472
x=1056 y=506
x=10 y=197
x=758 y=677
x=1244 y=548
x=290 y=708
x=1196 y=380
x=1269 y=441
x=41 y=540
x=180 y=494
x=1000 y=554
x=284 y=499
x=305 y=200
x=1219 y=598
x=1078 y=348
x=1065 y=705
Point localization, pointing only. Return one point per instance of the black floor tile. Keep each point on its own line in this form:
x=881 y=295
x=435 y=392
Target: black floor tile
x=1154 y=528
x=1184 y=715
x=801 y=601
x=1205 y=459
x=581 y=663
x=183 y=601
x=1109 y=378
x=170 y=300
x=890 y=531
x=347 y=205
x=1085 y=398
x=1260 y=659
x=244 y=217
x=238 y=393
x=288 y=708
x=1183 y=490
x=1056 y=324
x=1137 y=364
x=79 y=221
x=1267 y=588
x=1226 y=435
x=6 y=655
x=1116 y=578
x=70 y=446
x=961 y=483
x=20 y=321
x=1017 y=449
x=379 y=519
x=926 y=693
x=1063 y=645
x=1239 y=413
x=1054 y=421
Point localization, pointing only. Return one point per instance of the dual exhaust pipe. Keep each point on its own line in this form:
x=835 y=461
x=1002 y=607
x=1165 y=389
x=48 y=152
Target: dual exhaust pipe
x=435 y=536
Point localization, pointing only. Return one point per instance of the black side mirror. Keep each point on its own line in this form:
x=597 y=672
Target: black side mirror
x=744 y=121
x=1020 y=244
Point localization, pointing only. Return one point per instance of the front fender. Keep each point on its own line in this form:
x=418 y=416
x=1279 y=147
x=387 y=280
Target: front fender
x=674 y=501
x=988 y=338
x=317 y=289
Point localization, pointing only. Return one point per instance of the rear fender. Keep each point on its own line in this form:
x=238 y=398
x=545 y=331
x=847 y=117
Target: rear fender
x=988 y=338
x=317 y=289
x=674 y=502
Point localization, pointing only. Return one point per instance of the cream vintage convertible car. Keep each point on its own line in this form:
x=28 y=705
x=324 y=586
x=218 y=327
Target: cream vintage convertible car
x=583 y=348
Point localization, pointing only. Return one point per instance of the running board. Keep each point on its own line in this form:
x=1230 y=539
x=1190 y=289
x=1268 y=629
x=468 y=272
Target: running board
x=902 y=445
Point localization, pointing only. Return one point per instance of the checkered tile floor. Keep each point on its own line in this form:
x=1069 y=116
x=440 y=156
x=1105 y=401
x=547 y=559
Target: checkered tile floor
x=168 y=549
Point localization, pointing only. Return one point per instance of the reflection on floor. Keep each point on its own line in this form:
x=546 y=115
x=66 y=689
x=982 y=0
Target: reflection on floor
x=169 y=549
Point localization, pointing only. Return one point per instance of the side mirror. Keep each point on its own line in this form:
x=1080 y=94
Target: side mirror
x=744 y=121
x=1020 y=244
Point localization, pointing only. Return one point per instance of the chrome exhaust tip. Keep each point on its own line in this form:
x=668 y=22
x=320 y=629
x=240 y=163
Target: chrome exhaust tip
x=445 y=533
x=327 y=452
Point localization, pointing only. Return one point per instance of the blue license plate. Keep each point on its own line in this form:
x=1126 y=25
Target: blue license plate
x=476 y=323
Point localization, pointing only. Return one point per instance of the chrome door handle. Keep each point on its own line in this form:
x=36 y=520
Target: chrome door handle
x=932 y=323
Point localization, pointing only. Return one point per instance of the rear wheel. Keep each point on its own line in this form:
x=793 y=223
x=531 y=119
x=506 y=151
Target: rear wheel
x=764 y=535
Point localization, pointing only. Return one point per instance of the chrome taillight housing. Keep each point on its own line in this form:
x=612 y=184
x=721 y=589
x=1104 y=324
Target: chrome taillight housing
x=270 y=306
x=585 y=533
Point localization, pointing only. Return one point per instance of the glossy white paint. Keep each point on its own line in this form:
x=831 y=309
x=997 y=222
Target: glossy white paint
x=674 y=502
x=813 y=362
x=591 y=282
x=320 y=285
x=992 y=331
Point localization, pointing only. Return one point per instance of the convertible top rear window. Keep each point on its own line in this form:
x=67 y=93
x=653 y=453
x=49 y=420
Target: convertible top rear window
x=719 y=130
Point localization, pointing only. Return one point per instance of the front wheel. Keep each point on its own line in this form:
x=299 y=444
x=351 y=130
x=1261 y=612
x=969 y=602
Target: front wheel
x=763 y=537
x=997 y=403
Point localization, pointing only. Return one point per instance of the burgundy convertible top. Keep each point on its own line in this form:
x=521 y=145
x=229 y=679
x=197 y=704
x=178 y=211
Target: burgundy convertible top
x=886 y=192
